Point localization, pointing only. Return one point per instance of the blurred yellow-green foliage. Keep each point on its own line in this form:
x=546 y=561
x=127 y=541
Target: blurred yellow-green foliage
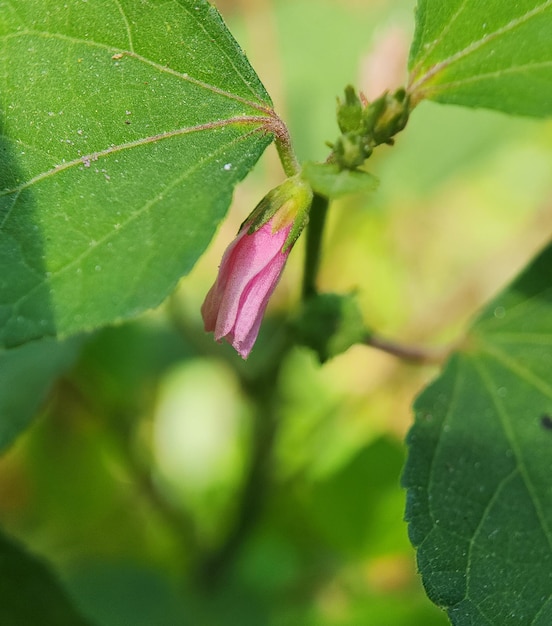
x=165 y=491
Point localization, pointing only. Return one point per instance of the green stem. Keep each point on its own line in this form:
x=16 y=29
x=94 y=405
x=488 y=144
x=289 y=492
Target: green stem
x=285 y=149
x=414 y=354
x=315 y=230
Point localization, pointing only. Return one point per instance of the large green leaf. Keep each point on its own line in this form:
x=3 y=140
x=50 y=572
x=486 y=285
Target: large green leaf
x=480 y=460
x=492 y=54
x=30 y=593
x=124 y=127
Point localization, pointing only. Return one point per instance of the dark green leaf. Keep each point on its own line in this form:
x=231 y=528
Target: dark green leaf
x=124 y=128
x=30 y=593
x=491 y=54
x=121 y=594
x=478 y=472
x=26 y=374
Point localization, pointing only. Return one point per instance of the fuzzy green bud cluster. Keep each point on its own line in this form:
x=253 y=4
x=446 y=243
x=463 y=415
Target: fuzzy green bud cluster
x=366 y=125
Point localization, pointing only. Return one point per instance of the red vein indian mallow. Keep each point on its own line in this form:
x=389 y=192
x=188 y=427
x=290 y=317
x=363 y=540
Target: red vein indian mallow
x=253 y=263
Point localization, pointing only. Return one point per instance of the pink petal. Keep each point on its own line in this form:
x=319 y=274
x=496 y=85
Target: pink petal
x=249 y=272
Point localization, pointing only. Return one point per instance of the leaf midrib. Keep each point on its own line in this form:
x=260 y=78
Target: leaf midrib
x=506 y=419
x=514 y=69
x=127 y=24
x=109 y=235
x=230 y=60
x=95 y=156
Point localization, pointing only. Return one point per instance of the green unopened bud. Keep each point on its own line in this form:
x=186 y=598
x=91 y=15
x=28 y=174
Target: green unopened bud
x=392 y=118
x=349 y=112
x=366 y=125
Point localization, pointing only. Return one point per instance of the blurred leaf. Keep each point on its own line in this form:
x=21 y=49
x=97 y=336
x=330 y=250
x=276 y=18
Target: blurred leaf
x=484 y=54
x=330 y=324
x=478 y=472
x=346 y=506
x=269 y=563
x=26 y=374
x=30 y=594
x=124 y=129
x=120 y=365
x=392 y=609
x=120 y=594
x=327 y=179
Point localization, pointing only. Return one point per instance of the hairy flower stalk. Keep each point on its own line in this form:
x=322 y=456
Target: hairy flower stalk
x=253 y=263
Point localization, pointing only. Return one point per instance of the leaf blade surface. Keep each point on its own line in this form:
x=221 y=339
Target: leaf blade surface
x=478 y=474
x=125 y=128
x=494 y=54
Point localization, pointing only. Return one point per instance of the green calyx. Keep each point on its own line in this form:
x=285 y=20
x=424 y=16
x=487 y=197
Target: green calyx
x=289 y=203
x=366 y=125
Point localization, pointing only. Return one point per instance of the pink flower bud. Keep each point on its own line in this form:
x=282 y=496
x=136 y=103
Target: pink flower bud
x=252 y=264
x=249 y=272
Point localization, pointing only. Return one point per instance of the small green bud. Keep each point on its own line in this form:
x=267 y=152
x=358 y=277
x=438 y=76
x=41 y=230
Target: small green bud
x=351 y=150
x=392 y=118
x=365 y=127
x=349 y=112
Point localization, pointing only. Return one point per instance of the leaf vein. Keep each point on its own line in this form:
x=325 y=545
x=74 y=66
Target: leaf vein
x=518 y=310
x=215 y=42
x=516 y=69
x=127 y=24
x=138 y=213
x=10 y=210
x=528 y=339
x=94 y=156
x=506 y=420
x=514 y=366
x=259 y=106
x=479 y=43
x=492 y=501
x=439 y=38
x=449 y=413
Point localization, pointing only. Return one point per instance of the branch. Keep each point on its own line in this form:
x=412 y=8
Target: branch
x=421 y=355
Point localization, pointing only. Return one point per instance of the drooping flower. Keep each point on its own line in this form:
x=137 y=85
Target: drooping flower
x=252 y=265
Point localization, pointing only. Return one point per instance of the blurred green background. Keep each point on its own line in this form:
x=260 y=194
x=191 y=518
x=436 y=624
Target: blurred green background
x=169 y=483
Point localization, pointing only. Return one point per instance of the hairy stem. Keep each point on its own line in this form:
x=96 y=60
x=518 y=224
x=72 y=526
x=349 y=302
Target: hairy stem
x=283 y=145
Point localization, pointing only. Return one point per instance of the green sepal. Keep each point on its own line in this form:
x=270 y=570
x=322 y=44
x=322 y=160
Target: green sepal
x=349 y=111
x=329 y=324
x=288 y=203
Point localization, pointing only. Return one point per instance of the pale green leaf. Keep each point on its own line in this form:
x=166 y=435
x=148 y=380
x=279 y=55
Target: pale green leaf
x=328 y=180
x=479 y=467
x=491 y=54
x=124 y=128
